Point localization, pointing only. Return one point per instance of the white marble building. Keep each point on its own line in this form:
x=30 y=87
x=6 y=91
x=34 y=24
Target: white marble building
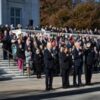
x=19 y=12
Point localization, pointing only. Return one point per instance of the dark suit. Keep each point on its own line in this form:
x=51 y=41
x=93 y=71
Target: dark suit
x=38 y=64
x=89 y=60
x=56 y=61
x=60 y=61
x=66 y=65
x=77 y=66
x=49 y=68
x=6 y=46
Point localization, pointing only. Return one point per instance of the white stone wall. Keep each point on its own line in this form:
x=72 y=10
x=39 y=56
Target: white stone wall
x=36 y=11
x=30 y=10
x=0 y=12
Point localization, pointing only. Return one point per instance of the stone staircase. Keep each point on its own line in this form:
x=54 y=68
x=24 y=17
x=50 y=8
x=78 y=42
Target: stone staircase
x=8 y=70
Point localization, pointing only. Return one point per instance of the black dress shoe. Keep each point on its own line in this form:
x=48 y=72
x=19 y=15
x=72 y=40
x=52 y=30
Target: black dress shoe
x=88 y=84
x=80 y=84
x=75 y=85
x=65 y=87
x=51 y=88
x=47 y=89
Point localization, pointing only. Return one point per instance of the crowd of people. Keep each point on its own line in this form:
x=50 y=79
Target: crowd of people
x=54 y=54
x=70 y=30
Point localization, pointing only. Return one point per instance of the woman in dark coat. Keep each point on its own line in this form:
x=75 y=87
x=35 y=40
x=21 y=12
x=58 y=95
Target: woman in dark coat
x=66 y=64
x=38 y=63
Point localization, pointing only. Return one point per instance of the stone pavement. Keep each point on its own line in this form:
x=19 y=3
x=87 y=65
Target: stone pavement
x=32 y=86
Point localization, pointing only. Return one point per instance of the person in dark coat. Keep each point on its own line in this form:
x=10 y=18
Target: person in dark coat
x=6 y=41
x=49 y=66
x=38 y=62
x=66 y=64
x=77 y=56
x=56 y=60
x=89 y=60
x=20 y=55
x=60 y=58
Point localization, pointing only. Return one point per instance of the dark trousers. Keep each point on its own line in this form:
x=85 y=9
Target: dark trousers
x=77 y=72
x=38 y=70
x=4 y=55
x=65 y=78
x=88 y=73
x=49 y=78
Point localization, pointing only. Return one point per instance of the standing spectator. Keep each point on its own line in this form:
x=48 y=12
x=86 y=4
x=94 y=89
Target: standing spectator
x=66 y=62
x=77 y=55
x=56 y=59
x=38 y=63
x=20 y=55
x=60 y=58
x=89 y=61
x=28 y=58
x=6 y=41
x=49 y=66
x=14 y=46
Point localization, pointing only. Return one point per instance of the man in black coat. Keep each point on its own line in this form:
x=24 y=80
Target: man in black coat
x=89 y=61
x=49 y=66
x=77 y=55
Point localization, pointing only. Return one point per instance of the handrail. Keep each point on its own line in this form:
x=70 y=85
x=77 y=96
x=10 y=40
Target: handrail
x=7 y=51
x=9 y=57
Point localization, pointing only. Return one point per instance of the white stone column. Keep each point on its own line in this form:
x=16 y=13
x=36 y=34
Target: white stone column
x=0 y=12
x=5 y=14
x=36 y=12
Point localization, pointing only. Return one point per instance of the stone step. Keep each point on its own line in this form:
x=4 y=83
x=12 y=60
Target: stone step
x=1 y=60
x=11 y=62
x=7 y=69
x=13 y=73
x=8 y=65
x=8 y=62
x=10 y=68
x=9 y=76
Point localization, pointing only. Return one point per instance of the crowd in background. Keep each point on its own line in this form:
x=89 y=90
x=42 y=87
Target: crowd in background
x=70 y=30
x=57 y=54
